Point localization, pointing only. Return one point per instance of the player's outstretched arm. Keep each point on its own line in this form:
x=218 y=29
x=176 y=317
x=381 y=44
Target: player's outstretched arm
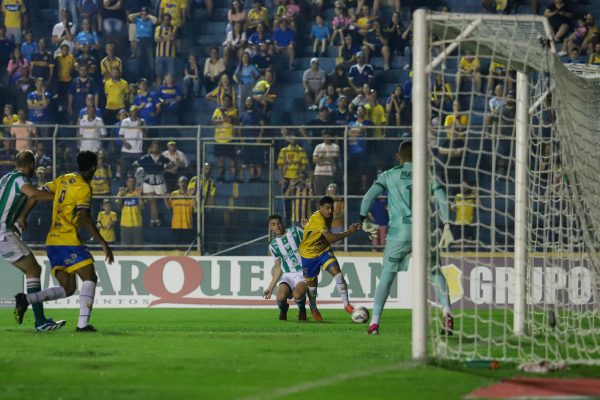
x=365 y=205
x=276 y=275
x=33 y=196
x=88 y=224
x=334 y=237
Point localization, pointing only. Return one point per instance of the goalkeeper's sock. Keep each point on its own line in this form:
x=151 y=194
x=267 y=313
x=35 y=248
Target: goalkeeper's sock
x=342 y=287
x=312 y=298
x=440 y=285
x=381 y=294
x=53 y=293
x=34 y=286
x=301 y=304
x=86 y=301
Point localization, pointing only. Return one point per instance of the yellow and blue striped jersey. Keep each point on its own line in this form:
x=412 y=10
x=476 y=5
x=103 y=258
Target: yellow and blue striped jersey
x=166 y=48
x=71 y=194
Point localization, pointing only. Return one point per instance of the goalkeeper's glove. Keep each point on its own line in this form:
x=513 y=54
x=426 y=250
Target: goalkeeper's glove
x=447 y=237
x=370 y=228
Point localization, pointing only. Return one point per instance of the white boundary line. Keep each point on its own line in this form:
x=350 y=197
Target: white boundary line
x=330 y=380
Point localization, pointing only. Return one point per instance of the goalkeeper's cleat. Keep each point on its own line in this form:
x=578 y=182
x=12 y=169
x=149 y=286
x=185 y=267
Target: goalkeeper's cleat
x=21 y=305
x=448 y=328
x=302 y=316
x=316 y=315
x=50 y=325
x=373 y=329
x=87 y=328
x=349 y=308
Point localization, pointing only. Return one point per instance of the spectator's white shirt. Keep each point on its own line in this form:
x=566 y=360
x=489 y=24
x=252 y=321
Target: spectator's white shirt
x=177 y=158
x=91 y=132
x=132 y=133
x=328 y=154
x=58 y=31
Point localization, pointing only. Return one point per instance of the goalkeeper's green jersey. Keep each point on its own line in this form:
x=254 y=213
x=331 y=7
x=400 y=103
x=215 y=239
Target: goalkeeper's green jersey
x=398 y=184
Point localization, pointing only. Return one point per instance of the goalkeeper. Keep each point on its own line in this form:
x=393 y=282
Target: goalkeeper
x=398 y=183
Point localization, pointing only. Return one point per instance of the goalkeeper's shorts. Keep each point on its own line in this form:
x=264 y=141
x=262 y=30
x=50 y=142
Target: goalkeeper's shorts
x=396 y=256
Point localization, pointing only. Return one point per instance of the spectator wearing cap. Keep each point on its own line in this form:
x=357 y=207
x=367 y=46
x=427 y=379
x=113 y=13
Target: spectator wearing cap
x=148 y=103
x=23 y=131
x=313 y=80
x=224 y=118
x=253 y=157
x=106 y=222
x=154 y=164
x=180 y=164
x=132 y=132
x=117 y=93
x=40 y=177
x=110 y=62
x=80 y=88
x=164 y=36
x=91 y=130
x=284 y=40
x=183 y=209
x=38 y=103
x=169 y=95
x=360 y=73
x=142 y=26
x=245 y=75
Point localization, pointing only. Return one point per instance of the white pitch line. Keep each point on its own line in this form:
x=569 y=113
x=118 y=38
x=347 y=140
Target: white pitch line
x=331 y=380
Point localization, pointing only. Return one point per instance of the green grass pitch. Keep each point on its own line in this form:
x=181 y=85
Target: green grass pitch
x=226 y=354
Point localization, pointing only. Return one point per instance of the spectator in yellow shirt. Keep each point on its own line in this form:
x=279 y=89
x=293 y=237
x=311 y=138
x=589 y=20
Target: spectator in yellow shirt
x=177 y=9
x=107 y=220
x=256 y=15
x=15 y=18
x=224 y=118
x=183 y=209
x=376 y=114
x=8 y=118
x=101 y=180
x=464 y=204
x=456 y=123
x=117 y=93
x=131 y=203
x=65 y=65
x=209 y=189
x=469 y=67
x=110 y=62
x=290 y=160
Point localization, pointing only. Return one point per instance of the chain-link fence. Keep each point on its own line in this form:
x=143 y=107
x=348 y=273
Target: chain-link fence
x=209 y=188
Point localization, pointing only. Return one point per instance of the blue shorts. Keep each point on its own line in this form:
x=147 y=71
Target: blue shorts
x=312 y=266
x=68 y=258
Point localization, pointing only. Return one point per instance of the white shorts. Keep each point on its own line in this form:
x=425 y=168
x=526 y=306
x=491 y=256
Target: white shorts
x=154 y=189
x=292 y=279
x=13 y=248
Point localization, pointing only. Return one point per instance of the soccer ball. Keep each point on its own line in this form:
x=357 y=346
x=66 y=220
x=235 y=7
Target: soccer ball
x=360 y=315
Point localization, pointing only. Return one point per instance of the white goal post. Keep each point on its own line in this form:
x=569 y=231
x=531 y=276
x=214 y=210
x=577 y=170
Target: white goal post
x=525 y=284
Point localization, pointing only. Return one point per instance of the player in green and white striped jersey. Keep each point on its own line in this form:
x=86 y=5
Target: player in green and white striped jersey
x=15 y=191
x=288 y=268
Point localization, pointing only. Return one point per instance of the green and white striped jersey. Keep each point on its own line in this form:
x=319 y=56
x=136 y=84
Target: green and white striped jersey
x=285 y=248
x=12 y=200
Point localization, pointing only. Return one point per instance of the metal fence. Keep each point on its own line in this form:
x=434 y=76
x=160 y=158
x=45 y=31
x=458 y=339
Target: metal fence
x=243 y=179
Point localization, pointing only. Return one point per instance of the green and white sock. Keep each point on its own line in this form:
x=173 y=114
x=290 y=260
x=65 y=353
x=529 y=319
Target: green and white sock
x=34 y=286
x=312 y=298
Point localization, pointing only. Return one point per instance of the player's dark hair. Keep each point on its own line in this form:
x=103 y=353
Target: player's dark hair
x=405 y=150
x=326 y=200
x=275 y=216
x=86 y=160
x=24 y=158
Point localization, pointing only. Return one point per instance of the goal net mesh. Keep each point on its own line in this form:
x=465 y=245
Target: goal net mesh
x=472 y=153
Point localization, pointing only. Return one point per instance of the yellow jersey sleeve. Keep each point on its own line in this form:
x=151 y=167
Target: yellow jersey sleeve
x=51 y=186
x=314 y=243
x=83 y=196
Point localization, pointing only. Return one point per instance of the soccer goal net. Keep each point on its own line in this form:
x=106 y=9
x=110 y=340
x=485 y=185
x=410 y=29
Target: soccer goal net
x=512 y=135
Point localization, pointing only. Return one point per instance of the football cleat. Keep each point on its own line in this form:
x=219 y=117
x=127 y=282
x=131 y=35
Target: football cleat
x=21 y=305
x=302 y=316
x=50 y=325
x=87 y=328
x=316 y=315
x=349 y=308
x=373 y=329
x=448 y=328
